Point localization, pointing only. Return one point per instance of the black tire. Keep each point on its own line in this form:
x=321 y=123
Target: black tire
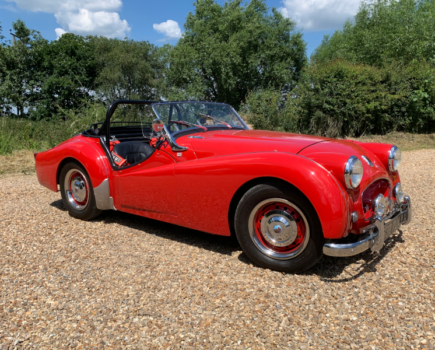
x=308 y=246
x=87 y=209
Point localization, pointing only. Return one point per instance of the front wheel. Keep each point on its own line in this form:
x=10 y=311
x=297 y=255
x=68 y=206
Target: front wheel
x=77 y=192
x=278 y=229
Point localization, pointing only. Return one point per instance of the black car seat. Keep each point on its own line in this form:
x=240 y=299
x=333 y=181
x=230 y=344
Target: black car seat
x=134 y=151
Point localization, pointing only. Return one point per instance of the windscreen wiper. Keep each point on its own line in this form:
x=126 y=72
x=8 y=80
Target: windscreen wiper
x=215 y=120
x=182 y=122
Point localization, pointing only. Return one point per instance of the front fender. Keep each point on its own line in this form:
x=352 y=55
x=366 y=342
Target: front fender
x=214 y=182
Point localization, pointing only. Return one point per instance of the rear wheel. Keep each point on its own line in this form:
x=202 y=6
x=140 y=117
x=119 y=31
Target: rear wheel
x=278 y=228
x=77 y=192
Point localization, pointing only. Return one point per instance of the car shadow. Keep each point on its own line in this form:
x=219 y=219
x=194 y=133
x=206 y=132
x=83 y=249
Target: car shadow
x=329 y=269
x=58 y=205
x=218 y=244
x=339 y=270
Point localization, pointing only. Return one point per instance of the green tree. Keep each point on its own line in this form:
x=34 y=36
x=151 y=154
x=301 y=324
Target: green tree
x=384 y=31
x=2 y=37
x=129 y=69
x=339 y=98
x=229 y=50
x=20 y=79
x=68 y=70
x=3 y=100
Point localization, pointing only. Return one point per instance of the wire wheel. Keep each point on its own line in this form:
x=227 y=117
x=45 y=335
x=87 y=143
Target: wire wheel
x=76 y=189
x=279 y=229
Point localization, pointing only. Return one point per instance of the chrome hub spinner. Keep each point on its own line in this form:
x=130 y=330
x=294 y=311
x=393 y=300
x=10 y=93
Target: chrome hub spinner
x=79 y=189
x=279 y=228
x=76 y=189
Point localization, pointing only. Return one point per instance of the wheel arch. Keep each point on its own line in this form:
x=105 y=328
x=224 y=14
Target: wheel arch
x=102 y=194
x=63 y=163
x=252 y=183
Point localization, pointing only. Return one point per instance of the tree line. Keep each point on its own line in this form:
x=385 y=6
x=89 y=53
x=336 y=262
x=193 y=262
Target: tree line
x=375 y=75
x=225 y=52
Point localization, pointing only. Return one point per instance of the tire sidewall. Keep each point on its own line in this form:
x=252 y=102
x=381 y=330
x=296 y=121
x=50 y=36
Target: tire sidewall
x=313 y=250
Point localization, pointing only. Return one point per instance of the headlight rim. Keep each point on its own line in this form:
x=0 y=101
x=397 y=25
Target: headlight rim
x=392 y=158
x=349 y=172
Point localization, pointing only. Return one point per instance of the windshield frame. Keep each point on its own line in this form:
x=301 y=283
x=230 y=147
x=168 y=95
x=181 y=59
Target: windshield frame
x=209 y=127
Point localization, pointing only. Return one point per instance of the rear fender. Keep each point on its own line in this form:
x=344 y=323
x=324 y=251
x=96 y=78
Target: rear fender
x=49 y=164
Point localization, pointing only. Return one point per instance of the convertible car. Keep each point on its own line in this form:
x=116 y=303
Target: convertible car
x=288 y=198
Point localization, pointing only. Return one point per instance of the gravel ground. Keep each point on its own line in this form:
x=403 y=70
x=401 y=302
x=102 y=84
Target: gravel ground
x=122 y=281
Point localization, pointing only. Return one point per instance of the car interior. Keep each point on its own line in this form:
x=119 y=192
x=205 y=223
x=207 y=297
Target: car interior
x=129 y=140
x=129 y=125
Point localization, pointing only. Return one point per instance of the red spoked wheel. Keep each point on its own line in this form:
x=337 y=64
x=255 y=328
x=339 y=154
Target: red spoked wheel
x=77 y=189
x=279 y=228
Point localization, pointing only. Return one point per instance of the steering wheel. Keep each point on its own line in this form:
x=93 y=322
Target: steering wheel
x=203 y=120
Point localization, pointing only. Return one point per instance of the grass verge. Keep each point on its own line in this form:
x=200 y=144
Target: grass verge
x=21 y=161
x=405 y=141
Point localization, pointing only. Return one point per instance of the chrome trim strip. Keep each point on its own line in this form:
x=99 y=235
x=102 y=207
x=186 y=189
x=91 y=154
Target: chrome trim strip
x=103 y=200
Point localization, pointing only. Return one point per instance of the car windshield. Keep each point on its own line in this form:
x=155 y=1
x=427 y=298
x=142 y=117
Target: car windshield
x=202 y=115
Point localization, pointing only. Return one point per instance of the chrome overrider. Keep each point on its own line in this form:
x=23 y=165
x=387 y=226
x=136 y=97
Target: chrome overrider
x=373 y=236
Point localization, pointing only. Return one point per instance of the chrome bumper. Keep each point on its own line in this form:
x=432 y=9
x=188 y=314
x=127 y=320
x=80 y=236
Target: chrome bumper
x=375 y=236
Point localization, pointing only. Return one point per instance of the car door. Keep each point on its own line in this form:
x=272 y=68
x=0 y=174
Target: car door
x=148 y=188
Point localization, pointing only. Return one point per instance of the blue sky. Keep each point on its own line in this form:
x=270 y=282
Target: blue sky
x=158 y=21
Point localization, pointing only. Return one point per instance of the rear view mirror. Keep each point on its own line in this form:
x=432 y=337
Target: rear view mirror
x=157 y=125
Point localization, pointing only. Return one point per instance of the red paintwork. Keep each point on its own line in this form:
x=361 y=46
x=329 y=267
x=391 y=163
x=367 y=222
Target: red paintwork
x=206 y=187
x=194 y=188
x=333 y=154
x=148 y=187
x=226 y=142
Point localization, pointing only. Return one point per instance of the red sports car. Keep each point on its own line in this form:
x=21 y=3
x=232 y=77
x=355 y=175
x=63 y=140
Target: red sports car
x=288 y=198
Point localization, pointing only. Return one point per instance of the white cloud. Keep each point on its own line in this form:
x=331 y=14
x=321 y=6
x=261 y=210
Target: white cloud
x=86 y=22
x=312 y=15
x=85 y=17
x=9 y=8
x=170 y=28
x=60 y=32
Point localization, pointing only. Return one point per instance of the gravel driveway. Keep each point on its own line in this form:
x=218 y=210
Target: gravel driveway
x=122 y=281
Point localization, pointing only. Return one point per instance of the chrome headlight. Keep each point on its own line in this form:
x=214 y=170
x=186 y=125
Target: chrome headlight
x=380 y=206
x=353 y=172
x=400 y=196
x=394 y=158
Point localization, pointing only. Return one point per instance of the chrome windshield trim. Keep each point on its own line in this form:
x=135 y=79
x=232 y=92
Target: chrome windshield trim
x=156 y=103
x=174 y=145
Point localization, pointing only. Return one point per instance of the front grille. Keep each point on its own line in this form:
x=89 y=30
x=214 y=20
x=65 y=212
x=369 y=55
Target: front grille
x=369 y=195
